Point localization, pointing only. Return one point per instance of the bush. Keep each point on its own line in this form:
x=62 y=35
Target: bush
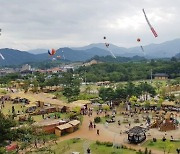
x=108 y=144
x=98 y=143
x=139 y=152
x=97 y=119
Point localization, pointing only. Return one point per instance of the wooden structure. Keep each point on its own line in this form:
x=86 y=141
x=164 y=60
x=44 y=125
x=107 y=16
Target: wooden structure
x=165 y=122
x=63 y=109
x=136 y=134
x=67 y=128
x=31 y=108
x=160 y=76
x=168 y=125
x=63 y=129
x=49 y=125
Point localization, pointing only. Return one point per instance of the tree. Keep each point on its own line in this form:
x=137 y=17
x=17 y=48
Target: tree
x=5 y=128
x=107 y=94
x=146 y=89
x=71 y=86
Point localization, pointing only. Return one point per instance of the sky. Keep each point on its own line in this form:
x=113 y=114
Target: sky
x=34 y=24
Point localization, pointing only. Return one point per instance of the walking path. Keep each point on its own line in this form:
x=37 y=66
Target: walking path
x=105 y=135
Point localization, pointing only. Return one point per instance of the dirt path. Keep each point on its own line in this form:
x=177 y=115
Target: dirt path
x=105 y=135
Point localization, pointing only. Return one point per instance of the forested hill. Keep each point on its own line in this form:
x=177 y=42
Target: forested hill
x=116 y=72
x=118 y=59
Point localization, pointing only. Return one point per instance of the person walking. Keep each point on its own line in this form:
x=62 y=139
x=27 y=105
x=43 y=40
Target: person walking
x=97 y=131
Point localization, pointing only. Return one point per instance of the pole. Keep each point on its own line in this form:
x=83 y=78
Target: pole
x=85 y=78
x=151 y=75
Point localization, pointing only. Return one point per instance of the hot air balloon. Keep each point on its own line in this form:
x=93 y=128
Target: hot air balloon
x=52 y=52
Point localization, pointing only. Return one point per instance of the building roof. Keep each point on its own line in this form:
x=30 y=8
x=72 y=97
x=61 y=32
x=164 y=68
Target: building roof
x=74 y=122
x=168 y=103
x=160 y=75
x=79 y=103
x=64 y=126
x=136 y=130
x=48 y=122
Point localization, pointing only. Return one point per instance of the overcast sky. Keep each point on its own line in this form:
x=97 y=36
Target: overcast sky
x=31 y=24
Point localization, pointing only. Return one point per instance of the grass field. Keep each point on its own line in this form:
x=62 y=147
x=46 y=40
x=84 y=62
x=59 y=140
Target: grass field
x=80 y=145
x=8 y=108
x=160 y=145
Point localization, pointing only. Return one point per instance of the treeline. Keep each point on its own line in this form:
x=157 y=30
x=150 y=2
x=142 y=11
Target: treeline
x=130 y=71
x=118 y=59
x=124 y=92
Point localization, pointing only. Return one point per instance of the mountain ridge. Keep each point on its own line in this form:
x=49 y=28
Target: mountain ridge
x=166 y=49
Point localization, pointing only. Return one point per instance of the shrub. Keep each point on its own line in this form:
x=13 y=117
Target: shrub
x=108 y=144
x=146 y=151
x=97 y=119
x=98 y=143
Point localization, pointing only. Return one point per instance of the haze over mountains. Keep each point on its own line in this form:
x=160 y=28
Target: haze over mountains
x=164 y=50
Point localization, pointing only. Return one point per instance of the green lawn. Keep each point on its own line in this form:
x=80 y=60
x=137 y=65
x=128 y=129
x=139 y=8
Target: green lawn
x=159 y=145
x=80 y=145
x=101 y=149
x=8 y=107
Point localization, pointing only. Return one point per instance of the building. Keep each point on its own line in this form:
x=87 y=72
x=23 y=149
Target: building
x=160 y=76
x=49 y=125
x=26 y=67
x=63 y=129
x=69 y=127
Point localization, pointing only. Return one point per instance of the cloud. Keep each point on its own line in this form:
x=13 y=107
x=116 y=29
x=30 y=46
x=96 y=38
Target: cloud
x=57 y=23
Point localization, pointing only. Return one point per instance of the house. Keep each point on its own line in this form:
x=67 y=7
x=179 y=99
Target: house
x=160 y=76
x=49 y=125
x=103 y=83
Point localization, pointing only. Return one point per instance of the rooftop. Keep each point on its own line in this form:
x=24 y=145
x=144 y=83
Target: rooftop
x=48 y=122
x=74 y=122
x=160 y=75
x=64 y=126
x=136 y=130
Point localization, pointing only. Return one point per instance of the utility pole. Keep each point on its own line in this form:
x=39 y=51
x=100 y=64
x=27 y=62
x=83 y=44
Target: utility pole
x=85 y=78
x=151 y=75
